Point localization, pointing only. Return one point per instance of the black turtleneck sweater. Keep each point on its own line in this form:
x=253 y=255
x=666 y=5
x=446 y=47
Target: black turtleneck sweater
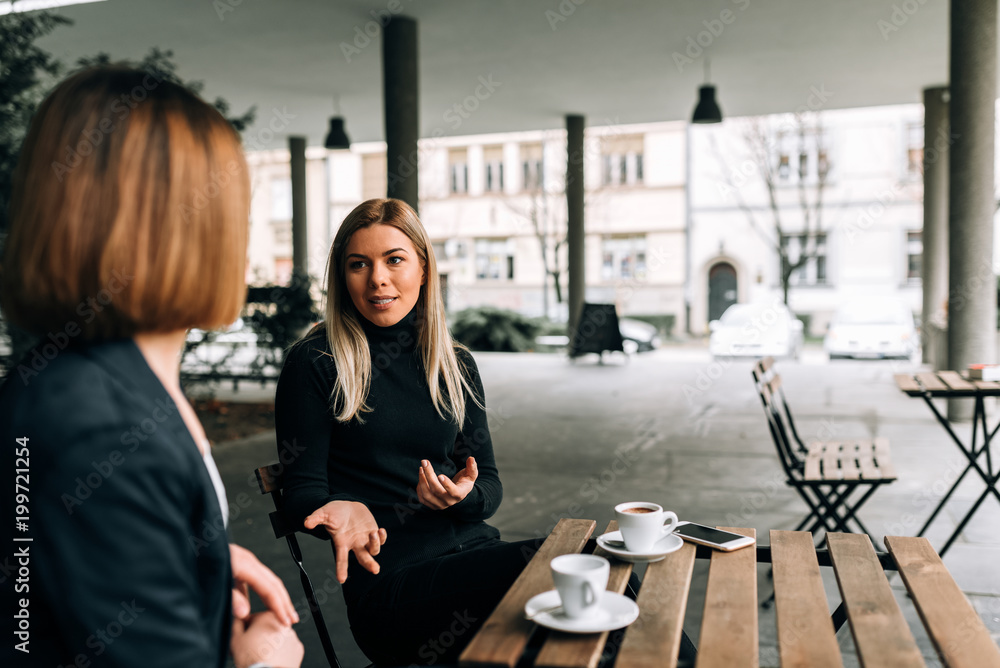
x=377 y=462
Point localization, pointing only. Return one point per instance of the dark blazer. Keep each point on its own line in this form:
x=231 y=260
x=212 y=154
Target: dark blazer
x=128 y=561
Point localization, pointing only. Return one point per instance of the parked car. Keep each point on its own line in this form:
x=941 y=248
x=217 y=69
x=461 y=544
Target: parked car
x=872 y=328
x=638 y=336
x=756 y=330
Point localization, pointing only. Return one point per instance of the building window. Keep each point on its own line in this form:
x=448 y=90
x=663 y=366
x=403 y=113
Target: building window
x=495 y=259
x=532 y=173
x=802 y=157
x=374 y=176
x=814 y=270
x=914 y=150
x=281 y=199
x=623 y=258
x=449 y=249
x=493 y=157
x=914 y=255
x=458 y=166
x=622 y=160
x=281 y=211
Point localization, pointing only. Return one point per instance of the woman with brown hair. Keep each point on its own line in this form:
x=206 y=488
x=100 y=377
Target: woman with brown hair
x=383 y=418
x=130 y=217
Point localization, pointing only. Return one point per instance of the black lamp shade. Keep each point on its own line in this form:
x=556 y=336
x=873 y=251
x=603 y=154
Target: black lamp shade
x=337 y=138
x=707 y=110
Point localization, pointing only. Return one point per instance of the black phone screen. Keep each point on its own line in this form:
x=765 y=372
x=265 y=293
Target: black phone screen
x=706 y=533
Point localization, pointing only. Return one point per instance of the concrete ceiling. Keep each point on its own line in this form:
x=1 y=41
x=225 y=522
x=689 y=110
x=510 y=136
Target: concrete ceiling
x=611 y=61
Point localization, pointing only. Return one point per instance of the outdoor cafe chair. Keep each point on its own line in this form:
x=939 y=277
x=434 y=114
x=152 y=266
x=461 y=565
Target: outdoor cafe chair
x=269 y=482
x=826 y=474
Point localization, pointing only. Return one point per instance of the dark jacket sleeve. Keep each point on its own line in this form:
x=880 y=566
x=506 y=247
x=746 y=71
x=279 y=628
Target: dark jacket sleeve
x=122 y=519
x=303 y=418
x=474 y=441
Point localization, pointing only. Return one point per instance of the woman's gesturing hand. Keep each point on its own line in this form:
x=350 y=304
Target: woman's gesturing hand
x=249 y=573
x=353 y=529
x=438 y=492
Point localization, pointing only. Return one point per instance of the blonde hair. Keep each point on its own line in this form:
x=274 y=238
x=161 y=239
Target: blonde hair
x=446 y=377
x=130 y=211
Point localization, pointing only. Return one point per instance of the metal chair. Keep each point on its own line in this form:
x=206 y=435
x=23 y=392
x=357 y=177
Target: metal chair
x=824 y=473
x=269 y=482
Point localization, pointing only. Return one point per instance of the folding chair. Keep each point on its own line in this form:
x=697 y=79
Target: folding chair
x=269 y=481
x=824 y=473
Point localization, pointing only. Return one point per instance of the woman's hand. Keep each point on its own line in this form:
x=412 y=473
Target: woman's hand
x=438 y=492
x=353 y=529
x=263 y=638
x=249 y=573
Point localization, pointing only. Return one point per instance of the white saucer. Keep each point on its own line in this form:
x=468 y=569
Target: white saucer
x=616 y=611
x=661 y=548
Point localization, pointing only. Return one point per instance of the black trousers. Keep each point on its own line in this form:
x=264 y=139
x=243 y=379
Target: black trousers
x=426 y=613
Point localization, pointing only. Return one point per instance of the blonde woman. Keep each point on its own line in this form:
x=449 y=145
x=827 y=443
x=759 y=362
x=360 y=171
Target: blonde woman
x=382 y=416
x=117 y=247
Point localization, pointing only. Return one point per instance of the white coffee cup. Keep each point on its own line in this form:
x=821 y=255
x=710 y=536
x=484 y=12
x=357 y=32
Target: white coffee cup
x=580 y=580
x=643 y=524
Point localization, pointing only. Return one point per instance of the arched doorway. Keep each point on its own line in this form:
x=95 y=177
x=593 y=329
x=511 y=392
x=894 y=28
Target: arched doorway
x=721 y=289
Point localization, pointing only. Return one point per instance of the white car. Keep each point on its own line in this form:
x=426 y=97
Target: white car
x=872 y=329
x=756 y=330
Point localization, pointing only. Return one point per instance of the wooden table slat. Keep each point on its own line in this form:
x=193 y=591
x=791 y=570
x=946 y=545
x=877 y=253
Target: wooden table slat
x=958 y=633
x=654 y=640
x=882 y=452
x=987 y=385
x=866 y=463
x=849 y=461
x=505 y=634
x=812 y=471
x=907 y=383
x=806 y=636
x=729 y=626
x=931 y=382
x=831 y=462
x=881 y=634
x=572 y=650
x=953 y=380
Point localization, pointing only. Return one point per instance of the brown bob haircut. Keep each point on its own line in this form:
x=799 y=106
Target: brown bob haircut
x=130 y=211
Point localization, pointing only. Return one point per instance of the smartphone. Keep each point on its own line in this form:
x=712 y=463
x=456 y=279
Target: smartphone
x=712 y=537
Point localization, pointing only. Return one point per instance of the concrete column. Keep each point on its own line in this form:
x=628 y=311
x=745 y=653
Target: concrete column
x=300 y=237
x=934 y=268
x=401 y=100
x=574 y=217
x=971 y=286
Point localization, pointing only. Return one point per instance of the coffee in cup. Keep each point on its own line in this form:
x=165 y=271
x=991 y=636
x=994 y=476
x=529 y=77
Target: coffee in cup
x=642 y=524
x=580 y=580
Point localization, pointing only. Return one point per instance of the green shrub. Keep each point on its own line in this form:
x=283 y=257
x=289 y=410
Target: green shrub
x=494 y=329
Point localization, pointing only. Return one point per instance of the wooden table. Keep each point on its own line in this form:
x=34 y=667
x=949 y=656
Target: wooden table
x=953 y=385
x=729 y=633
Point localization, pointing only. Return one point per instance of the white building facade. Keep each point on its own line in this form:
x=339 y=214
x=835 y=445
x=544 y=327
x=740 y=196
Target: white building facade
x=489 y=202
x=864 y=238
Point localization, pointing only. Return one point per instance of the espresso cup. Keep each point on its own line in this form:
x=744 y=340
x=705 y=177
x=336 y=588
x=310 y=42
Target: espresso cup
x=580 y=580
x=643 y=524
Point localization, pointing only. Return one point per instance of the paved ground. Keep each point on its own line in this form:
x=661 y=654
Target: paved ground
x=675 y=428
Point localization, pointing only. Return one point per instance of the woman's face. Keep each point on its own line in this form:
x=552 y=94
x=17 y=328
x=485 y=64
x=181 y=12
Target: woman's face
x=383 y=273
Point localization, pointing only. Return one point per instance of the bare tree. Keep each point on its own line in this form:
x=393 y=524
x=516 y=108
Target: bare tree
x=761 y=140
x=548 y=223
